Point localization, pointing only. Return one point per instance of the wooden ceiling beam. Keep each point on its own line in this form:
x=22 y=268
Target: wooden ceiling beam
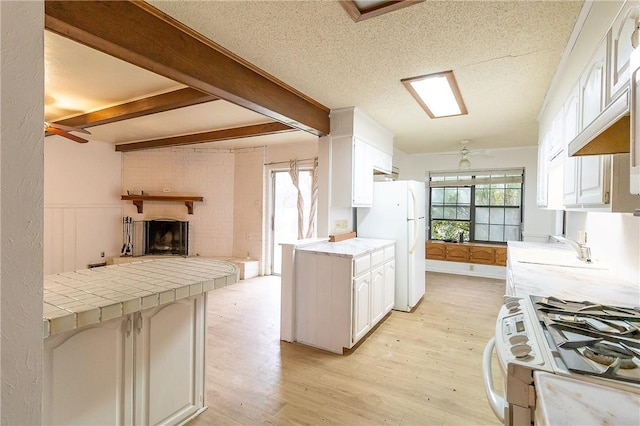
x=140 y=34
x=151 y=105
x=204 y=137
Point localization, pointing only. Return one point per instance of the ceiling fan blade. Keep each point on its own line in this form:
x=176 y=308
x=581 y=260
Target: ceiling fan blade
x=68 y=128
x=66 y=134
x=480 y=153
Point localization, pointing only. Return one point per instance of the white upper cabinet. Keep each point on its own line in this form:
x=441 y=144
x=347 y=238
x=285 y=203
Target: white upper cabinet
x=594 y=179
x=571 y=113
x=362 y=178
x=592 y=86
x=634 y=178
x=542 y=199
x=620 y=47
x=632 y=10
x=358 y=146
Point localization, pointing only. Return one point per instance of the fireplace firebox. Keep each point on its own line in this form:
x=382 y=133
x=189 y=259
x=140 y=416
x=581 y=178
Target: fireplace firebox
x=161 y=237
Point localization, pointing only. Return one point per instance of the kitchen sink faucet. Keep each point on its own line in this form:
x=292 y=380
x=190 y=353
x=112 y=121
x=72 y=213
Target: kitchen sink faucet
x=584 y=252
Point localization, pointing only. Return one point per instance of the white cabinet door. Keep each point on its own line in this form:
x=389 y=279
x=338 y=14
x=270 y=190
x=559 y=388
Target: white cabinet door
x=570 y=130
x=380 y=160
x=168 y=366
x=594 y=174
x=389 y=285
x=541 y=188
x=361 y=305
x=621 y=48
x=377 y=294
x=362 y=184
x=592 y=86
x=634 y=108
x=146 y=368
x=84 y=380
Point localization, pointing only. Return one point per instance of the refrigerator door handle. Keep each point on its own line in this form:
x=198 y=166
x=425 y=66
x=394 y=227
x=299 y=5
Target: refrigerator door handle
x=416 y=231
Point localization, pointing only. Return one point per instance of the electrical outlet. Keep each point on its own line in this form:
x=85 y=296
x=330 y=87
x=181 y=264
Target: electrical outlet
x=341 y=225
x=166 y=190
x=101 y=254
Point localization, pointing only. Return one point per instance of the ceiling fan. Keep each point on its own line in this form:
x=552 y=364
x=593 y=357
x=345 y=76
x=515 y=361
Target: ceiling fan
x=64 y=131
x=465 y=153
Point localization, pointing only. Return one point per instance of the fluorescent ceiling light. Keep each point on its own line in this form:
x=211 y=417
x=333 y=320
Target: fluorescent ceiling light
x=438 y=94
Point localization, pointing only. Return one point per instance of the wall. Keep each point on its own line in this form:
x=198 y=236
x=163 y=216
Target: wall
x=82 y=207
x=614 y=238
x=249 y=182
x=21 y=204
x=207 y=172
x=233 y=219
x=538 y=223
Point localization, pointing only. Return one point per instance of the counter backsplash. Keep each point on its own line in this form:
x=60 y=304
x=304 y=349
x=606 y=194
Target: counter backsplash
x=613 y=237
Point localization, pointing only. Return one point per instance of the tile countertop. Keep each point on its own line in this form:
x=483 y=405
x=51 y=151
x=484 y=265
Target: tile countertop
x=566 y=401
x=80 y=298
x=537 y=270
x=353 y=247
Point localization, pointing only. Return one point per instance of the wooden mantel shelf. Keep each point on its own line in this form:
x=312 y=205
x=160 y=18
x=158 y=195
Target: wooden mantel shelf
x=188 y=200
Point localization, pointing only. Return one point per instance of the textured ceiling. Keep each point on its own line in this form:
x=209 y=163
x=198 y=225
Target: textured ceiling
x=503 y=54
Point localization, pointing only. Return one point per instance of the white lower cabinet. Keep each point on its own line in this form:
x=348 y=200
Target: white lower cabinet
x=389 y=284
x=339 y=298
x=145 y=368
x=377 y=294
x=361 y=306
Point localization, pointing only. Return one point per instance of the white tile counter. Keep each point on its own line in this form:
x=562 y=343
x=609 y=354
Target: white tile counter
x=80 y=298
x=565 y=401
x=553 y=270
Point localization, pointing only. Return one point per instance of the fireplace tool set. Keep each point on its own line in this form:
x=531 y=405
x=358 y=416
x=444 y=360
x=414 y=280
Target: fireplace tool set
x=127 y=239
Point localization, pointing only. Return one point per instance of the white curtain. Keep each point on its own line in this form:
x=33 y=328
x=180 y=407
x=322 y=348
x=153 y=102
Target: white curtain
x=293 y=172
x=314 y=199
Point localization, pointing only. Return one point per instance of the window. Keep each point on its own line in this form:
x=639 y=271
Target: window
x=484 y=205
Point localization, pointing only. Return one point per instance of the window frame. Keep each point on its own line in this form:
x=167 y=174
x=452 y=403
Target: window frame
x=472 y=179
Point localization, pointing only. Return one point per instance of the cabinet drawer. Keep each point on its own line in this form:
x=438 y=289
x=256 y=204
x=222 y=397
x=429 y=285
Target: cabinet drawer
x=361 y=264
x=377 y=257
x=389 y=253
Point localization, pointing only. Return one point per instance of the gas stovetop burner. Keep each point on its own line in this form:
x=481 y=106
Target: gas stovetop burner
x=590 y=338
x=607 y=357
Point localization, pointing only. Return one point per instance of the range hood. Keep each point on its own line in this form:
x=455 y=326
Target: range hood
x=609 y=133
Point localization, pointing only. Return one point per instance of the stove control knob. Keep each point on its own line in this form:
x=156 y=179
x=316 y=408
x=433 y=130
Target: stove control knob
x=518 y=339
x=513 y=307
x=521 y=350
x=509 y=299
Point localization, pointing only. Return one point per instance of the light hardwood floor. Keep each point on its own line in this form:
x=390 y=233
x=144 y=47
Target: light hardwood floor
x=419 y=368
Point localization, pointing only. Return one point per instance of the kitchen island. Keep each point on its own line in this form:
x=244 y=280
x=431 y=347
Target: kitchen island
x=125 y=344
x=341 y=291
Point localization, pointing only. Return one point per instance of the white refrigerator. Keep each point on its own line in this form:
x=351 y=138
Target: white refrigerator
x=398 y=214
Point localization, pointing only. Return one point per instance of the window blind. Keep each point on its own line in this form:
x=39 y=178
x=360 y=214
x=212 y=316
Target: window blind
x=478 y=177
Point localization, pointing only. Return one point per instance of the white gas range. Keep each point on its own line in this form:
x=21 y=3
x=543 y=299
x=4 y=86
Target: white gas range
x=595 y=344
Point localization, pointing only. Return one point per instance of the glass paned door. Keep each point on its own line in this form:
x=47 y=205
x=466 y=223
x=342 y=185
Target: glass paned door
x=284 y=225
